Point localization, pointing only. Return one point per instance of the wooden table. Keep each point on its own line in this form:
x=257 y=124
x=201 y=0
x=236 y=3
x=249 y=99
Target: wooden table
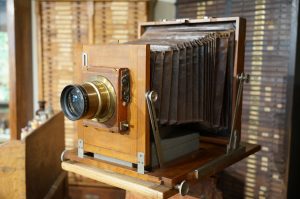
x=138 y=188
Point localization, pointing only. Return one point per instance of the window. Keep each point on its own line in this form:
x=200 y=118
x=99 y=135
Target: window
x=4 y=81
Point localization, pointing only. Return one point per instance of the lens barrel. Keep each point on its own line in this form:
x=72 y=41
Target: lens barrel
x=95 y=99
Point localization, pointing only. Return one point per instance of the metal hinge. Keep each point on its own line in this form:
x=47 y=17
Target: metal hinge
x=141 y=163
x=80 y=148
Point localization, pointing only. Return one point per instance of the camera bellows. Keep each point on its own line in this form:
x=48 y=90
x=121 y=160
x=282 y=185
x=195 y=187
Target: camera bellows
x=190 y=71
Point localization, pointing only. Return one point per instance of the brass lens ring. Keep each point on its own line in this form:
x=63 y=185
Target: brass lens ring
x=106 y=98
x=108 y=88
x=97 y=86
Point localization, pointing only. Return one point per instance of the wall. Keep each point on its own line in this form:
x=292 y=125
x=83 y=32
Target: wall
x=34 y=57
x=164 y=9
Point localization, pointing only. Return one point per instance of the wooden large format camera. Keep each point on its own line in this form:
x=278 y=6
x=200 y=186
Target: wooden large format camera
x=179 y=81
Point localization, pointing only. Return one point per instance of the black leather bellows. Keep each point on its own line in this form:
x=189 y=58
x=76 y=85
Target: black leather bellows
x=190 y=70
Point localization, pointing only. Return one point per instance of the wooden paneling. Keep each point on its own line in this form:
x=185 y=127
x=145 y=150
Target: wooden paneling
x=20 y=62
x=264 y=102
x=30 y=167
x=43 y=150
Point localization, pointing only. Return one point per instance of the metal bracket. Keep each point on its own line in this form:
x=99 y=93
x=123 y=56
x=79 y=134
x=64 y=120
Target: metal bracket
x=124 y=126
x=80 y=148
x=183 y=20
x=125 y=86
x=151 y=97
x=234 y=140
x=141 y=163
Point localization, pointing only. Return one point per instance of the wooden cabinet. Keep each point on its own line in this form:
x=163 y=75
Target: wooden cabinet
x=30 y=168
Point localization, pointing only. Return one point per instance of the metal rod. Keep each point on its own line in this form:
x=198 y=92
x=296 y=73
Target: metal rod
x=234 y=136
x=151 y=97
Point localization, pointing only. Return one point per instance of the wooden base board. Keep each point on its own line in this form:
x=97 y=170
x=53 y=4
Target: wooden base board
x=131 y=184
x=208 y=160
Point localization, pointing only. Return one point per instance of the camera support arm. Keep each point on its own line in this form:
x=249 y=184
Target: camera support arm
x=151 y=97
x=234 y=136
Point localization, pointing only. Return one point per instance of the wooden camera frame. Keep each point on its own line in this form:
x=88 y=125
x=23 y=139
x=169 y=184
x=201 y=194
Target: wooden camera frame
x=133 y=145
x=118 y=121
x=107 y=141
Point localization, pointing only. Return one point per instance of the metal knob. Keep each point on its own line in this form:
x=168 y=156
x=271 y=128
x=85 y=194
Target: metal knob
x=183 y=188
x=62 y=156
x=244 y=77
x=153 y=96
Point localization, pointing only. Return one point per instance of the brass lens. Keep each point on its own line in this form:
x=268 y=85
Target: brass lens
x=95 y=99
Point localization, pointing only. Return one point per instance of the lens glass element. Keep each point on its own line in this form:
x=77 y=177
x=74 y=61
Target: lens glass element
x=75 y=101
